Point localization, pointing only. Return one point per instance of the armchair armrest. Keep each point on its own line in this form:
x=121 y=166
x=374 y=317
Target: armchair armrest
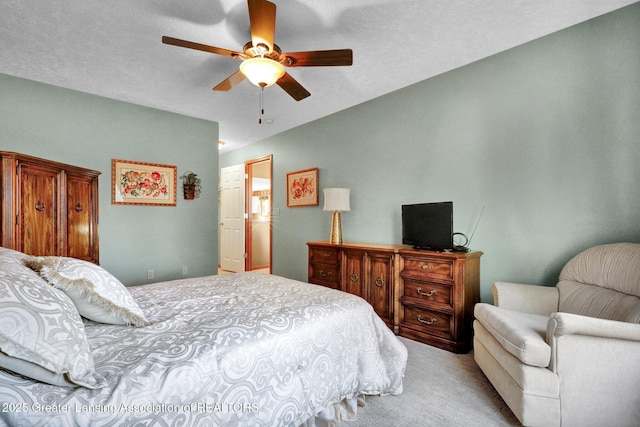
x=568 y=323
x=525 y=298
x=582 y=344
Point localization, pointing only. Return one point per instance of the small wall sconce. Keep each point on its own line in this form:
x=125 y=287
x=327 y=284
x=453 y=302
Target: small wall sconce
x=191 y=185
x=336 y=200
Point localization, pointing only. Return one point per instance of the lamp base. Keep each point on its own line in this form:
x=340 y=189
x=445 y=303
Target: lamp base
x=336 y=229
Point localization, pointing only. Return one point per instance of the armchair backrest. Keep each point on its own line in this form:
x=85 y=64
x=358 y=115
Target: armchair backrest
x=604 y=282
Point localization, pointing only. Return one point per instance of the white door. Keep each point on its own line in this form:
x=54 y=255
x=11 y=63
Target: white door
x=232 y=221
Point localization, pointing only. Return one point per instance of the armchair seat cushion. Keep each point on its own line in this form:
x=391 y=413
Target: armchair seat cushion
x=521 y=334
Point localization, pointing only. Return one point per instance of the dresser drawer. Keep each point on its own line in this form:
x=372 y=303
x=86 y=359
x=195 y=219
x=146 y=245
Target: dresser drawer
x=431 y=322
x=324 y=274
x=429 y=267
x=421 y=292
x=324 y=255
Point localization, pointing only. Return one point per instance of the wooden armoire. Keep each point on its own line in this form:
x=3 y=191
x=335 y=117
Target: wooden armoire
x=48 y=208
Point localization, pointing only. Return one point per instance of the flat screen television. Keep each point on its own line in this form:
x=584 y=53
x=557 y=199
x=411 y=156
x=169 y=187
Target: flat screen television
x=428 y=225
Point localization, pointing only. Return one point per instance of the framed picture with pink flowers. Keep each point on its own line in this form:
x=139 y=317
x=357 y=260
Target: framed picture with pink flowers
x=141 y=183
x=302 y=188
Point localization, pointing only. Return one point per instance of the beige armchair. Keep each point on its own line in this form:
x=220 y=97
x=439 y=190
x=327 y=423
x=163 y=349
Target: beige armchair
x=568 y=355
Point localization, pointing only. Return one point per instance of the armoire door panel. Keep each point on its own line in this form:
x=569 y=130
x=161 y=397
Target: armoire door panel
x=38 y=222
x=80 y=211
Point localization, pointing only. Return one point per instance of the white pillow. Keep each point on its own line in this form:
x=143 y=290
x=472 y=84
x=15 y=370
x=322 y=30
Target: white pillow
x=41 y=334
x=98 y=295
x=9 y=254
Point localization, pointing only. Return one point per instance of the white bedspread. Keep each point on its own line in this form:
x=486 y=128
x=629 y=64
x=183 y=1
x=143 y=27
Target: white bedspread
x=246 y=349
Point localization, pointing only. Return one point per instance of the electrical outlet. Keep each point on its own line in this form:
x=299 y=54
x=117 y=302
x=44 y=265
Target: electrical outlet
x=185 y=270
x=149 y=274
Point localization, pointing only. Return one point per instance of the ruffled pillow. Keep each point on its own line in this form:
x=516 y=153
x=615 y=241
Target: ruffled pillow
x=41 y=334
x=98 y=295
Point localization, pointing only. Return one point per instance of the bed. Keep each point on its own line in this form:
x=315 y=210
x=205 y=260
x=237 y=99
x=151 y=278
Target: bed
x=244 y=349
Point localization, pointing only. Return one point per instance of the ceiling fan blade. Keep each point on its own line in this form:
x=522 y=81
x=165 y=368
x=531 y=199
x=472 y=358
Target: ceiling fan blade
x=230 y=82
x=202 y=47
x=292 y=87
x=318 y=58
x=262 y=16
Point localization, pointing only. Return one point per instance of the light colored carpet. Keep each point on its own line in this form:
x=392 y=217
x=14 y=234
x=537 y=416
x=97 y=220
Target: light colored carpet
x=440 y=389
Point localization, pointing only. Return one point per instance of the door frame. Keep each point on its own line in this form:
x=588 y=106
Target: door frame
x=248 y=262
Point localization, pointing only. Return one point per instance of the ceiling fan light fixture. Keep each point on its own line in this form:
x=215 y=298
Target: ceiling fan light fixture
x=261 y=71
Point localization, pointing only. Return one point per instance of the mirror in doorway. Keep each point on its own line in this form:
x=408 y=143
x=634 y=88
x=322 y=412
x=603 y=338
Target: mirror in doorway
x=260 y=204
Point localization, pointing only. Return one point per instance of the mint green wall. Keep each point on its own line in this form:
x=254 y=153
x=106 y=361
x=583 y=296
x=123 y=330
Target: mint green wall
x=545 y=136
x=88 y=131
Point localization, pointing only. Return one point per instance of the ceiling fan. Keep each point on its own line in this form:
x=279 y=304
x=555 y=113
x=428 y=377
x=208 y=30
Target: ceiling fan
x=262 y=60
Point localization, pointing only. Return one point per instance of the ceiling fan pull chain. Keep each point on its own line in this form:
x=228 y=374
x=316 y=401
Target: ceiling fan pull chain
x=261 y=104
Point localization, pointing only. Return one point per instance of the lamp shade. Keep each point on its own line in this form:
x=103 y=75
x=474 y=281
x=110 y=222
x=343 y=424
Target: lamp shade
x=336 y=199
x=262 y=71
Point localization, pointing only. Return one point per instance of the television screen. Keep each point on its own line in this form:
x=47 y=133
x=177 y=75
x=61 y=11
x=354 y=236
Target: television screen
x=428 y=225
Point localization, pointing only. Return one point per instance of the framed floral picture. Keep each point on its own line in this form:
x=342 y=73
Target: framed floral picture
x=302 y=188
x=140 y=183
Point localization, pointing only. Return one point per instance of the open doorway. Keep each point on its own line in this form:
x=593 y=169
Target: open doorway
x=245 y=213
x=258 y=232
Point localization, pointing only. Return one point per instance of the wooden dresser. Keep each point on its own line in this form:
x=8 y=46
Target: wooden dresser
x=48 y=208
x=423 y=295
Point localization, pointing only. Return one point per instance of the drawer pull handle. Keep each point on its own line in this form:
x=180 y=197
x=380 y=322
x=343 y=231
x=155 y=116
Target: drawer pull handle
x=354 y=277
x=426 y=322
x=426 y=267
x=325 y=273
x=39 y=206
x=79 y=207
x=431 y=293
x=379 y=282
x=325 y=255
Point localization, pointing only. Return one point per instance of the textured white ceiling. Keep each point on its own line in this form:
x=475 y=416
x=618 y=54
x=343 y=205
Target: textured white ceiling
x=113 y=49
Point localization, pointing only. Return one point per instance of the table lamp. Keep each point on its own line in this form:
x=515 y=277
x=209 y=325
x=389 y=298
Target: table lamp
x=336 y=200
